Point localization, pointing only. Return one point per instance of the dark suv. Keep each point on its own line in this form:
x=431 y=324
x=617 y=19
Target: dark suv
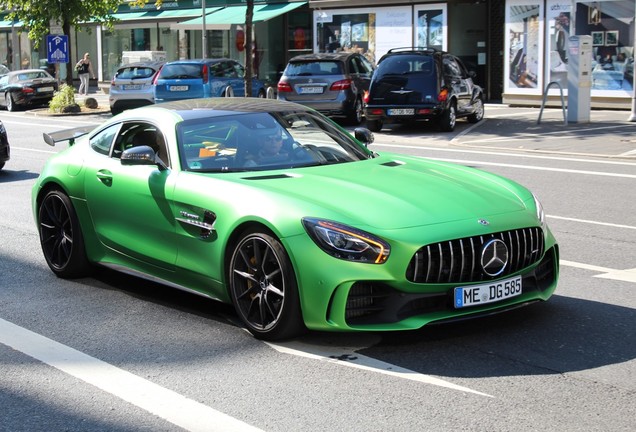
x=413 y=84
x=332 y=83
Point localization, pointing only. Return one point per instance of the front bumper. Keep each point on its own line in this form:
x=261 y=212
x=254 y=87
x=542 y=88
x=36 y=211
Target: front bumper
x=345 y=296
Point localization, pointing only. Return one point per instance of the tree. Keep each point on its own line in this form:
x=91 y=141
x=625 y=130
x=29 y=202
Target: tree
x=37 y=17
x=249 y=49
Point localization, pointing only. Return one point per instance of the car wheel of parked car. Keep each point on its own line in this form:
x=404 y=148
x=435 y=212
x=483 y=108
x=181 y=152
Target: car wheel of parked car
x=355 y=116
x=61 y=236
x=271 y=93
x=478 y=114
x=1 y=165
x=115 y=111
x=228 y=92
x=449 y=118
x=263 y=287
x=9 y=103
x=374 y=125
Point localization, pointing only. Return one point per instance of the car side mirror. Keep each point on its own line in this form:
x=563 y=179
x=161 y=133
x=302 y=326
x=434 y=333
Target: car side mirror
x=364 y=135
x=141 y=155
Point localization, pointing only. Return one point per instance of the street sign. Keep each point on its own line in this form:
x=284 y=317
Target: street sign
x=57 y=48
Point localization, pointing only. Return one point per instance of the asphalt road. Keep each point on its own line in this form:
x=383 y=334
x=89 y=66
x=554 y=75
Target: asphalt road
x=114 y=353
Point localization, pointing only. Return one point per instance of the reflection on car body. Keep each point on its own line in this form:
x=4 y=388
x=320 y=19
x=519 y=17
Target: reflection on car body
x=331 y=236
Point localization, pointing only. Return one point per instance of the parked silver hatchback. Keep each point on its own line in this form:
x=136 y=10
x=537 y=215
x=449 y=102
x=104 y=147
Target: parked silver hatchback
x=332 y=83
x=132 y=86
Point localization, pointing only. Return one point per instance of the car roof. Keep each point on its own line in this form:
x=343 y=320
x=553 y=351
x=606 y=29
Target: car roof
x=201 y=61
x=152 y=64
x=21 y=71
x=339 y=56
x=411 y=51
x=192 y=109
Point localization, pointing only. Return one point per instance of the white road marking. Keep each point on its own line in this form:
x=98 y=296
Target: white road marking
x=33 y=150
x=628 y=275
x=167 y=404
x=536 y=168
x=355 y=360
x=592 y=222
x=508 y=154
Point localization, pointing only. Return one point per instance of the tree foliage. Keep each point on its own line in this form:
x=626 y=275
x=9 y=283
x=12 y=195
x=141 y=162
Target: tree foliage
x=37 y=17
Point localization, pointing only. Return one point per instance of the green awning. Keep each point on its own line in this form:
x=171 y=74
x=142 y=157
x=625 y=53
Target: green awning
x=161 y=14
x=224 y=18
x=9 y=24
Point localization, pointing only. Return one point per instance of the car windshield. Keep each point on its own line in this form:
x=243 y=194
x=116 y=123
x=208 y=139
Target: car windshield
x=135 y=72
x=264 y=141
x=27 y=76
x=181 y=71
x=312 y=67
x=403 y=64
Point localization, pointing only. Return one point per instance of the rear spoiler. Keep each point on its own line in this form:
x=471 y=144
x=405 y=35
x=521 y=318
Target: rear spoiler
x=66 y=135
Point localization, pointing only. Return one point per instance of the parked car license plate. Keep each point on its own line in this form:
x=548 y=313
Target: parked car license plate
x=132 y=86
x=45 y=89
x=310 y=90
x=487 y=293
x=400 y=111
x=178 y=88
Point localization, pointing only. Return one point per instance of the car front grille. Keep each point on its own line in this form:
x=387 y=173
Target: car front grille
x=459 y=260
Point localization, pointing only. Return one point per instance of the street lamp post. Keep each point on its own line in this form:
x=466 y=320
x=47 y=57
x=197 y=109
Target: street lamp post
x=205 y=36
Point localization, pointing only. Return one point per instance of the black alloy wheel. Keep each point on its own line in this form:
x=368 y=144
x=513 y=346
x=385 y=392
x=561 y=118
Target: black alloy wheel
x=61 y=237
x=374 y=125
x=263 y=287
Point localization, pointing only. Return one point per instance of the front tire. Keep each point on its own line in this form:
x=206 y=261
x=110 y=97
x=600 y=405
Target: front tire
x=61 y=236
x=263 y=287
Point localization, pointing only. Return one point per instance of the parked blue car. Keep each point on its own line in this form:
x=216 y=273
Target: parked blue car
x=191 y=79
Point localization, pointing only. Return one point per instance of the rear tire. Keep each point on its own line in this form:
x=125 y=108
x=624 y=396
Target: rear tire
x=449 y=118
x=263 y=287
x=61 y=236
x=478 y=115
x=9 y=102
x=355 y=116
x=228 y=92
x=374 y=125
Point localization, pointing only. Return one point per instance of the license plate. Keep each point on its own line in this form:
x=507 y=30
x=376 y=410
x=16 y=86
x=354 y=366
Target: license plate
x=45 y=89
x=132 y=86
x=400 y=111
x=178 y=88
x=487 y=293
x=310 y=90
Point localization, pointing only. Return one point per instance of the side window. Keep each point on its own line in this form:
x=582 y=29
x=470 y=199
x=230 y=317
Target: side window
x=238 y=70
x=216 y=70
x=136 y=134
x=451 y=70
x=365 y=65
x=102 y=142
x=353 y=66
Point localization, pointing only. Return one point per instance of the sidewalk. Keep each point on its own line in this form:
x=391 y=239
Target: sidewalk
x=608 y=134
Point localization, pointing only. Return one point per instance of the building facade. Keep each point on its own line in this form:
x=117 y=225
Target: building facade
x=516 y=47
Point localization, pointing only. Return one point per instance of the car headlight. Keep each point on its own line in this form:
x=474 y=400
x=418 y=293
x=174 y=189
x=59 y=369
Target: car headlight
x=347 y=243
x=540 y=211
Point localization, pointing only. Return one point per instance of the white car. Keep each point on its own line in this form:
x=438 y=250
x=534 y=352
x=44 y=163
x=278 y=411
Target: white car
x=133 y=86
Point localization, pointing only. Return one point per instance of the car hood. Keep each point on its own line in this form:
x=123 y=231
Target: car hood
x=391 y=192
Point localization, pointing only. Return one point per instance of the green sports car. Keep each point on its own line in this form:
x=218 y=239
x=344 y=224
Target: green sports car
x=272 y=207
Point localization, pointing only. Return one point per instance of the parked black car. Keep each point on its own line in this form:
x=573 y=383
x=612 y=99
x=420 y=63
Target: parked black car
x=28 y=87
x=5 y=151
x=332 y=83
x=421 y=84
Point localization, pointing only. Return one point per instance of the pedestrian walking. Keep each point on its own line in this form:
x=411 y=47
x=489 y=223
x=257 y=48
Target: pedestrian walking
x=84 y=68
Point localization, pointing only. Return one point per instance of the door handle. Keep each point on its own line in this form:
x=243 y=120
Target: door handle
x=105 y=177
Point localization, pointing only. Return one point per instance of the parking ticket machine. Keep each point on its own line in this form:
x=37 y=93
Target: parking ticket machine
x=579 y=78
